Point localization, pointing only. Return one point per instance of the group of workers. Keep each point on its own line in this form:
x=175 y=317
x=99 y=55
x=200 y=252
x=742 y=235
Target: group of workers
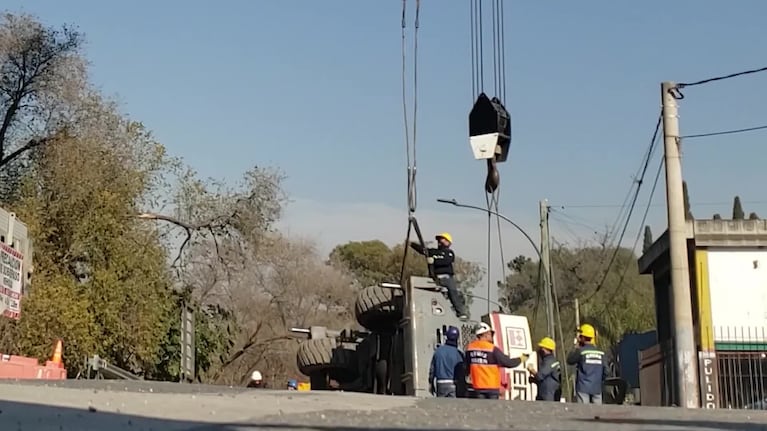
x=483 y=361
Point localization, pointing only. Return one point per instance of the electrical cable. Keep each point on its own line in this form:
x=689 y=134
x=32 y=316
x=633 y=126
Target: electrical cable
x=606 y=272
x=720 y=78
x=725 y=132
x=611 y=235
x=696 y=204
x=641 y=225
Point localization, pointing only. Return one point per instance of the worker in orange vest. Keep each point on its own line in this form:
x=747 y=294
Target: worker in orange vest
x=484 y=360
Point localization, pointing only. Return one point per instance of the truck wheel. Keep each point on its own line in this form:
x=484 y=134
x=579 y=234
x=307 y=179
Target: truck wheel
x=379 y=308
x=324 y=354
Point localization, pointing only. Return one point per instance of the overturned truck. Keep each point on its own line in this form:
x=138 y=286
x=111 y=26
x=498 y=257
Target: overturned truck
x=402 y=327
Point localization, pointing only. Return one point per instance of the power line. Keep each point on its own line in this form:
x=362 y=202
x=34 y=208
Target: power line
x=653 y=141
x=720 y=78
x=725 y=132
x=641 y=225
x=695 y=204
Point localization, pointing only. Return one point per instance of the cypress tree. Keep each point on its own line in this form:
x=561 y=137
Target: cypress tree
x=647 y=239
x=737 y=209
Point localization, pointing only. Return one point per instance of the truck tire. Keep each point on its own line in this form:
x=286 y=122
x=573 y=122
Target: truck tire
x=324 y=354
x=379 y=308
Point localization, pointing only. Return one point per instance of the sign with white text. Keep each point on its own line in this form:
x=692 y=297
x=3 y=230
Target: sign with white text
x=10 y=286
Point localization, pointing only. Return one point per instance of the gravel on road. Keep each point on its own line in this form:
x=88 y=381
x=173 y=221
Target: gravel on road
x=120 y=405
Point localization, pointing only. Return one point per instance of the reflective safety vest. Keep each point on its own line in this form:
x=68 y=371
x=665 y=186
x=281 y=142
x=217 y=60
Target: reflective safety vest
x=483 y=366
x=591 y=369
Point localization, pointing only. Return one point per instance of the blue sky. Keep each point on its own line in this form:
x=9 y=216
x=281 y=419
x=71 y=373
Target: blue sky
x=314 y=87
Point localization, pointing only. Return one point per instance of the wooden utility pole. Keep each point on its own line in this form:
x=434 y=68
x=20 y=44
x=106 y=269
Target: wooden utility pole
x=546 y=267
x=685 y=363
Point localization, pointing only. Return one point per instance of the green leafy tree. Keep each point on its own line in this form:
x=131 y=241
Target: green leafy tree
x=102 y=282
x=623 y=303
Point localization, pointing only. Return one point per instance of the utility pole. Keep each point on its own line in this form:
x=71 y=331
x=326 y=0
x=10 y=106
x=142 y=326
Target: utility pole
x=546 y=267
x=686 y=366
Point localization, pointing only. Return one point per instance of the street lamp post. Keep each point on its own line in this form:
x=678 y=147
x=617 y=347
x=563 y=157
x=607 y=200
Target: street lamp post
x=506 y=219
x=491 y=212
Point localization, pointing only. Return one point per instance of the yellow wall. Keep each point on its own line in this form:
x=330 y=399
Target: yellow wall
x=705 y=325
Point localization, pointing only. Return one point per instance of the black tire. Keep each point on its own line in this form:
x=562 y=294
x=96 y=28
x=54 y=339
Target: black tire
x=379 y=308
x=324 y=354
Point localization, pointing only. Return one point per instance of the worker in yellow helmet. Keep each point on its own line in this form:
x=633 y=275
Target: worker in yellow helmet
x=548 y=375
x=441 y=260
x=590 y=366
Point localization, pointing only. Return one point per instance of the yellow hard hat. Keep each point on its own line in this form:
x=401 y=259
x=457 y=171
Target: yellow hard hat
x=547 y=343
x=445 y=235
x=587 y=331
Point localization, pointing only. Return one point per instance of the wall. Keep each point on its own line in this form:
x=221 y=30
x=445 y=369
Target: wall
x=737 y=281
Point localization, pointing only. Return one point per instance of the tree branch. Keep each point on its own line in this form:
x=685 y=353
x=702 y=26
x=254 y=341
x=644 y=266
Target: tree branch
x=34 y=143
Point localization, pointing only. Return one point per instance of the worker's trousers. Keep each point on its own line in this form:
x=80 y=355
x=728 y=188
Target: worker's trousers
x=448 y=282
x=446 y=390
x=584 y=398
x=486 y=394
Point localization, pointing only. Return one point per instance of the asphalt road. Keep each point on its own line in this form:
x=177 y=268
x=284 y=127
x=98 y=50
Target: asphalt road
x=118 y=405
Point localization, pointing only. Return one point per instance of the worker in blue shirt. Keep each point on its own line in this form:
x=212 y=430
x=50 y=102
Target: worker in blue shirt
x=447 y=378
x=548 y=375
x=590 y=367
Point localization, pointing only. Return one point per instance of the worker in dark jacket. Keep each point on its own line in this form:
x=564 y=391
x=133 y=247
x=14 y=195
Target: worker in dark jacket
x=590 y=367
x=548 y=375
x=441 y=261
x=484 y=360
x=447 y=377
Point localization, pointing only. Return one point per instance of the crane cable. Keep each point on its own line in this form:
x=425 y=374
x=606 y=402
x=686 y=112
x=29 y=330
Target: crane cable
x=492 y=184
x=412 y=194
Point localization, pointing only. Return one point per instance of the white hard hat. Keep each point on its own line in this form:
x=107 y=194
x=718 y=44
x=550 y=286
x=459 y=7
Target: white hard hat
x=482 y=328
x=255 y=376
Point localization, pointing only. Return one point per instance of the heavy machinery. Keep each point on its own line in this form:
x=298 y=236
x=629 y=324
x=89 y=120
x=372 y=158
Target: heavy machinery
x=403 y=325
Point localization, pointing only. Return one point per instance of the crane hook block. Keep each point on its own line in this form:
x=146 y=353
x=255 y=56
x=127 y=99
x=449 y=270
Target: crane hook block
x=489 y=129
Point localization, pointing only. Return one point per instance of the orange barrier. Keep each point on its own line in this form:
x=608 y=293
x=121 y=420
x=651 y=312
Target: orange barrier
x=22 y=367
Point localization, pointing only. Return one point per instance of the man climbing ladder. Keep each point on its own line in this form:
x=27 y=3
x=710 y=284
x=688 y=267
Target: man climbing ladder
x=441 y=261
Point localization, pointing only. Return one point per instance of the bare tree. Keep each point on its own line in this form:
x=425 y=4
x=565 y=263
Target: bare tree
x=36 y=66
x=278 y=284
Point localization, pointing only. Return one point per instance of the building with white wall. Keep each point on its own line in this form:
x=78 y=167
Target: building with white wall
x=728 y=290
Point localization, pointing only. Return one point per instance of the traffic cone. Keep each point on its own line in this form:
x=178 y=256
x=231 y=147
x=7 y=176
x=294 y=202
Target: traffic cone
x=57 y=352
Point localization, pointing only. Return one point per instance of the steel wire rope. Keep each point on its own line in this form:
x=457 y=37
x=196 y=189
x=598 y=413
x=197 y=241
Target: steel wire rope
x=412 y=194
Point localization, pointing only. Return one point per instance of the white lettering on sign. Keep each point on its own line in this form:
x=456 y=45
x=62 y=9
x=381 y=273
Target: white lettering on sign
x=10 y=281
x=708 y=379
